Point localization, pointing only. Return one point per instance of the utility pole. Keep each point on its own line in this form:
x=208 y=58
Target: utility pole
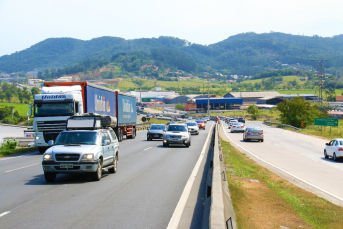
x=208 y=95
x=321 y=79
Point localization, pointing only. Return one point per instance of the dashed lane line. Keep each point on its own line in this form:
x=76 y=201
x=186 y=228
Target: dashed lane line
x=8 y=171
x=5 y=213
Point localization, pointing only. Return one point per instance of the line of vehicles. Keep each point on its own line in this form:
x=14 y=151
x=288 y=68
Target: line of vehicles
x=249 y=133
x=175 y=133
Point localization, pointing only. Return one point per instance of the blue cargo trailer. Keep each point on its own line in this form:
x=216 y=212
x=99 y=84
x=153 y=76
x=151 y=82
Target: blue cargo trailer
x=106 y=101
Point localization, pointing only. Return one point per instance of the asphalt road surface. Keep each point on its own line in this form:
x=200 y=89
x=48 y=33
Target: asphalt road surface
x=297 y=156
x=142 y=194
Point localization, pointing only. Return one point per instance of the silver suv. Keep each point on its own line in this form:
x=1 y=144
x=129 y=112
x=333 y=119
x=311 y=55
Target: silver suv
x=177 y=133
x=82 y=151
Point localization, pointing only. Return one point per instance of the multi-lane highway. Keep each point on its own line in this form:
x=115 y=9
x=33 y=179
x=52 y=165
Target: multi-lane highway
x=142 y=194
x=295 y=156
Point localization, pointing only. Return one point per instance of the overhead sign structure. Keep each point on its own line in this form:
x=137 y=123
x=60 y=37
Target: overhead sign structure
x=326 y=121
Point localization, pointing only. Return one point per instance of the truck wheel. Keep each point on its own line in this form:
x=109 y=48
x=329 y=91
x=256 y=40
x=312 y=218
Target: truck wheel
x=96 y=176
x=114 y=169
x=50 y=177
x=133 y=134
x=42 y=150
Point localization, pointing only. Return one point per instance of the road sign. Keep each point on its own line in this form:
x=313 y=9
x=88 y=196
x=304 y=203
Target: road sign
x=326 y=121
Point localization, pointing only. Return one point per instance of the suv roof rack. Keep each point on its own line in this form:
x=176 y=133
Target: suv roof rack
x=90 y=121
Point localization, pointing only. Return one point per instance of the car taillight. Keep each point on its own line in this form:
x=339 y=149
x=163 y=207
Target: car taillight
x=248 y=133
x=242 y=126
x=233 y=126
x=261 y=133
x=340 y=149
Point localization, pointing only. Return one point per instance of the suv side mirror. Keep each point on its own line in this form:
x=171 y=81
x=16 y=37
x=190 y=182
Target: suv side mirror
x=327 y=144
x=106 y=142
x=51 y=142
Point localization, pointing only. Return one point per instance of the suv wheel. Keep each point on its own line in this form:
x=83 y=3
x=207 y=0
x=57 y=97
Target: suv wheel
x=50 y=177
x=114 y=169
x=165 y=144
x=96 y=176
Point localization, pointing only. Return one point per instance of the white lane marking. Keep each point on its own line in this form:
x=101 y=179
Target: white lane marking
x=276 y=144
x=147 y=148
x=312 y=159
x=175 y=219
x=308 y=183
x=21 y=168
x=5 y=213
x=7 y=158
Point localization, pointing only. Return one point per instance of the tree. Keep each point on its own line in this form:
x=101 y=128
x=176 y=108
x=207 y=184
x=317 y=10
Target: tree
x=34 y=91
x=295 y=110
x=180 y=106
x=254 y=111
x=330 y=94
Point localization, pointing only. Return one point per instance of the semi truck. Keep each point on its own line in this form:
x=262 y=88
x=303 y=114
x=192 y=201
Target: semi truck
x=60 y=100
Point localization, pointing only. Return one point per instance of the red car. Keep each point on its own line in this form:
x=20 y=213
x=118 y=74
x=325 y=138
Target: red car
x=201 y=124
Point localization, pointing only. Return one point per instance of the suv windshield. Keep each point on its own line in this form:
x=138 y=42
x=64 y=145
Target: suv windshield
x=178 y=128
x=54 y=109
x=85 y=138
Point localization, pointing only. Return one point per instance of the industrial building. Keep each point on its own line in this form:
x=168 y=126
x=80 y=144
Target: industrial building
x=218 y=103
x=252 y=97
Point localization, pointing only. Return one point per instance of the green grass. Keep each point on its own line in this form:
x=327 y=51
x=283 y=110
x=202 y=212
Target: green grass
x=20 y=107
x=16 y=151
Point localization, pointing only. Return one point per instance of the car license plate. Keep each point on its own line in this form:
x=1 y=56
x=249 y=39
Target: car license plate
x=156 y=135
x=66 y=166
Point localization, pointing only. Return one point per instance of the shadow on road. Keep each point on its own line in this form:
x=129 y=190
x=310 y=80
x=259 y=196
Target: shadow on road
x=64 y=179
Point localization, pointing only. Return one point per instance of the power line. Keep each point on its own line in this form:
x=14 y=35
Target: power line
x=321 y=78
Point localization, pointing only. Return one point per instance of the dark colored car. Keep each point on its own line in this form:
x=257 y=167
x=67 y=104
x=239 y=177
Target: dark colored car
x=156 y=131
x=242 y=120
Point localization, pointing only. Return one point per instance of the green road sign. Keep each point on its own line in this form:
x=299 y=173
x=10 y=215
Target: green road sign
x=326 y=121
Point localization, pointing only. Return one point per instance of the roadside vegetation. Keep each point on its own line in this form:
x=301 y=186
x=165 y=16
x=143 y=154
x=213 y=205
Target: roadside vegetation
x=11 y=147
x=261 y=199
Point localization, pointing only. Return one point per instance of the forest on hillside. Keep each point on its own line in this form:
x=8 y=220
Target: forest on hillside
x=242 y=54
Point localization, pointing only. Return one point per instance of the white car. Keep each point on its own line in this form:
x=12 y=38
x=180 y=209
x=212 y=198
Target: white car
x=232 y=122
x=334 y=149
x=190 y=118
x=177 y=133
x=192 y=127
x=237 y=127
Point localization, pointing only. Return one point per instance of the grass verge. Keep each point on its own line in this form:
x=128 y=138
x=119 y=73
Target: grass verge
x=15 y=151
x=262 y=199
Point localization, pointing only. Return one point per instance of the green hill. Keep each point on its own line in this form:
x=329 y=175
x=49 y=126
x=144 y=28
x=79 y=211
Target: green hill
x=245 y=54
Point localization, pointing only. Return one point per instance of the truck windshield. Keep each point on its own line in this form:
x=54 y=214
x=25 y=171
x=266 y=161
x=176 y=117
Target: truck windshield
x=54 y=109
x=84 y=138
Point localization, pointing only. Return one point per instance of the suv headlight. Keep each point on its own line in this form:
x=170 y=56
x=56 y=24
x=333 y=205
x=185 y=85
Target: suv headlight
x=167 y=136
x=48 y=157
x=88 y=156
x=37 y=137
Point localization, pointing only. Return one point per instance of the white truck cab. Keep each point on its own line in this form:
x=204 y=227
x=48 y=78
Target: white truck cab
x=51 y=110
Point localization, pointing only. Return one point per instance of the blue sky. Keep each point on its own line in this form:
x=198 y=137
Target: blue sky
x=24 y=23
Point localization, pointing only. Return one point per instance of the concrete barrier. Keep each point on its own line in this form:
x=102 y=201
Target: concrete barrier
x=221 y=214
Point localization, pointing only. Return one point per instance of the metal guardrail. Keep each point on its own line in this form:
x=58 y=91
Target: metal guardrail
x=143 y=126
x=280 y=125
x=22 y=141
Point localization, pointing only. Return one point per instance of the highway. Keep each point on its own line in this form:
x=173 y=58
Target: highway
x=296 y=157
x=142 y=194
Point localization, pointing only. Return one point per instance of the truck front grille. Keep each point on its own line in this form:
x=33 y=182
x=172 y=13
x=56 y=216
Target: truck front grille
x=67 y=157
x=57 y=125
x=74 y=168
